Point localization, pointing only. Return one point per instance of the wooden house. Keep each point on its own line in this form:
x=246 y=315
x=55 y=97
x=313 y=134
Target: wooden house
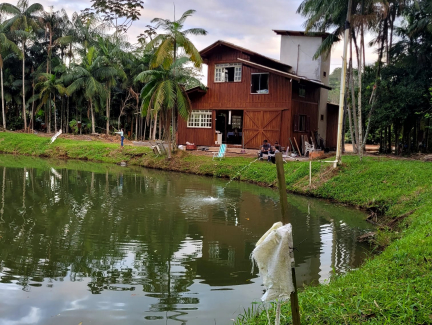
x=250 y=98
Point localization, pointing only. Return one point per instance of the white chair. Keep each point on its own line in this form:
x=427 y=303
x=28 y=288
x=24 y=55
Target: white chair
x=309 y=148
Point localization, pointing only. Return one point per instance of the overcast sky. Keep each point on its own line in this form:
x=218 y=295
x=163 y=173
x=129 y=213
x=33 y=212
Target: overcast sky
x=247 y=23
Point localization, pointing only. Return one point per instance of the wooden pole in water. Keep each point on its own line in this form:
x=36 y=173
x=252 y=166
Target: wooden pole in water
x=295 y=310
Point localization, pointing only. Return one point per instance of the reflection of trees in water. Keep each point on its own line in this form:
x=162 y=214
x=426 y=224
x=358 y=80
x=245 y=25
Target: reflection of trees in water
x=77 y=225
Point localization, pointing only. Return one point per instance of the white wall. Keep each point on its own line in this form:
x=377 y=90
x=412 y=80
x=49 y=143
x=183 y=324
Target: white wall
x=308 y=67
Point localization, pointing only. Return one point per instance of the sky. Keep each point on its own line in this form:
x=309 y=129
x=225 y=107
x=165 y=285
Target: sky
x=246 y=23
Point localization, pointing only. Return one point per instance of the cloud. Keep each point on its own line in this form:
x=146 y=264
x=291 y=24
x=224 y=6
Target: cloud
x=247 y=23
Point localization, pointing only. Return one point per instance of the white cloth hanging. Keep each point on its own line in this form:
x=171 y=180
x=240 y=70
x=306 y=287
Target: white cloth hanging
x=273 y=258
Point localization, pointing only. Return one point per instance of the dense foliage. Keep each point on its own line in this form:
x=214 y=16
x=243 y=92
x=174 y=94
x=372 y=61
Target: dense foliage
x=393 y=94
x=78 y=73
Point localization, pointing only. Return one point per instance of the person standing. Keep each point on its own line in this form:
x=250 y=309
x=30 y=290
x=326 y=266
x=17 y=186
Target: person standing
x=121 y=136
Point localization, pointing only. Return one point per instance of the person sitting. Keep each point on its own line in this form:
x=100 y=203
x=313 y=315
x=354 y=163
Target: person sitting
x=271 y=154
x=264 y=148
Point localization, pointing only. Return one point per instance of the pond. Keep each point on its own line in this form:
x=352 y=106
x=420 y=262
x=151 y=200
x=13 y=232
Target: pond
x=103 y=244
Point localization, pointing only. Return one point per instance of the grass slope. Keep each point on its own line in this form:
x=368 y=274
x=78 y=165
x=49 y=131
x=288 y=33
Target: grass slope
x=394 y=287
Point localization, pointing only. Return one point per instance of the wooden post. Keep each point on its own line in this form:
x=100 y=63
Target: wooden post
x=299 y=152
x=295 y=310
x=282 y=187
x=310 y=172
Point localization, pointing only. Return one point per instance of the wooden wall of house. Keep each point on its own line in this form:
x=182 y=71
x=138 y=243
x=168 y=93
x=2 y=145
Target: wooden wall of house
x=332 y=126
x=199 y=136
x=237 y=95
x=286 y=129
x=307 y=105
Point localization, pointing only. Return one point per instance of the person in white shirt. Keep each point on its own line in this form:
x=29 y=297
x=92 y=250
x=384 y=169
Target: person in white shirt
x=121 y=136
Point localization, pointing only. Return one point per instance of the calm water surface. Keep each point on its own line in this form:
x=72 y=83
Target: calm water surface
x=82 y=242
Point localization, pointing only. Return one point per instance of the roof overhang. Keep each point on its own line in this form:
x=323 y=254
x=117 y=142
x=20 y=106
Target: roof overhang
x=196 y=90
x=300 y=33
x=282 y=73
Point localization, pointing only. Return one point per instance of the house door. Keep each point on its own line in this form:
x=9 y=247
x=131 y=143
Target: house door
x=259 y=126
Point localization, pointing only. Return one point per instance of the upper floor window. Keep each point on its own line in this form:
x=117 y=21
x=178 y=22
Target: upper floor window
x=200 y=119
x=260 y=83
x=302 y=91
x=228 y=72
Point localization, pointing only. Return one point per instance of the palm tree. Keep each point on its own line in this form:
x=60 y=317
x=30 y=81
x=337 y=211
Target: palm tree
x=114 y=55
x=5 y=44
x=175 y=37
x=89 y=77
x=49 y=85
x=167 y=44
x=22 y=24
x=164 y=92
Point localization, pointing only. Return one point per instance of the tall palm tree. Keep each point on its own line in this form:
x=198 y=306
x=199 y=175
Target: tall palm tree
x=49 y=85
x=23 y=23
x=5 y=44
x=114 y=55
x=167 y=44
x=90 y=77
x=164 y=92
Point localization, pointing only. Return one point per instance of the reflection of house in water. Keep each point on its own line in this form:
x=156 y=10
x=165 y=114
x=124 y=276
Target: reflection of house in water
x=230 y=227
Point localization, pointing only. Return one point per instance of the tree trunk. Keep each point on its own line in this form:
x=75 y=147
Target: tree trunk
x=67 y=115
x=389 y=139
x=396 y=134
x=145 y=127
x=353 y=98
x=55 y=115
x=160 y=128
x=80 y=129
x=136 y=127
x=359 y=117
x=167 y=134
x=108 y=111
x=155 y=127
x=150 y=127
x=23 y=85
x=2 y=94
x=92 y=117
x=49 y=114
x=33 y=112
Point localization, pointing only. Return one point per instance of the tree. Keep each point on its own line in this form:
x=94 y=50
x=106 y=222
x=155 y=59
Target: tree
x=5 y=44
x=89 y=77
x=49 y=85
x=166 y=45
x=23 y=23
x=164 y=92
x=118 y=14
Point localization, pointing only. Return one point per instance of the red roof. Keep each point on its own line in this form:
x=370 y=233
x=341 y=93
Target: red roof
x=210 y=48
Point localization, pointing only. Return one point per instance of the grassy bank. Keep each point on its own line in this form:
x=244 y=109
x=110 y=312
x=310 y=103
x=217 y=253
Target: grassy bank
x=394 y=287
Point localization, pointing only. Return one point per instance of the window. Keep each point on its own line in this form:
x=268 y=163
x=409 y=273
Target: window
x=200 y=119
x=236 y=122
x=259 y=84
x=302 y=123
x=302 y=91
x=229 y=72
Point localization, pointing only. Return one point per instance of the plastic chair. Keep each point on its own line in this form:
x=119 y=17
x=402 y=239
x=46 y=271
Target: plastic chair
x=309 y=148
x=221 y=153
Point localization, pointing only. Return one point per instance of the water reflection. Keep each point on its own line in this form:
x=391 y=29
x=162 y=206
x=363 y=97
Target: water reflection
x=142 y=245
